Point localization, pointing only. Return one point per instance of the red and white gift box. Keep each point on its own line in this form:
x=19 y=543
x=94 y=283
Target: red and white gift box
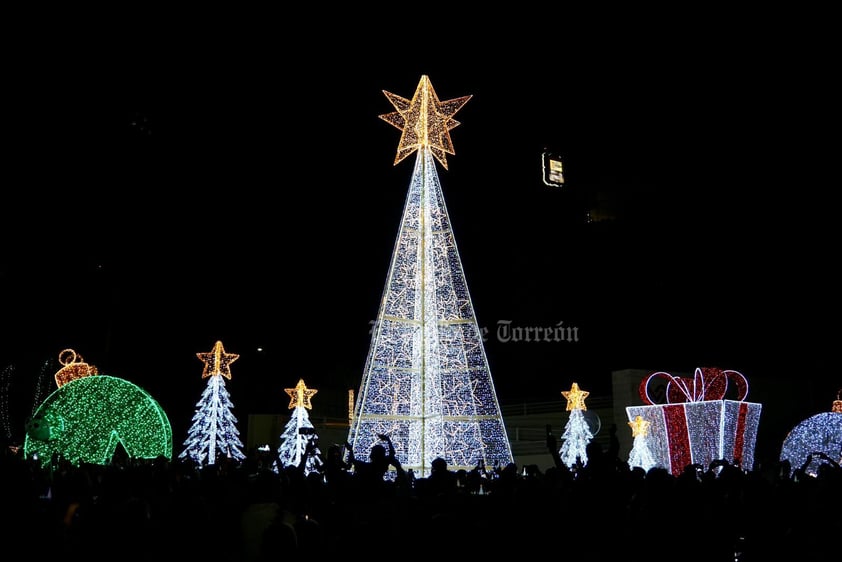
x=698 y=425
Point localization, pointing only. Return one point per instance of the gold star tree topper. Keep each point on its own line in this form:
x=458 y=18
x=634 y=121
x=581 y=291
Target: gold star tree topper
x=300 y=395
x=424 y=121
x=575 y=398
x=217 y=362
x=639 y=427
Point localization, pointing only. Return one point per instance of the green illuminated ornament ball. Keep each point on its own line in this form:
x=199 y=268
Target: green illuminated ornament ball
x=85 y=419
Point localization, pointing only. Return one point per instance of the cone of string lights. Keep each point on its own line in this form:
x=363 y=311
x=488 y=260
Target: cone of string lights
x=426 y=381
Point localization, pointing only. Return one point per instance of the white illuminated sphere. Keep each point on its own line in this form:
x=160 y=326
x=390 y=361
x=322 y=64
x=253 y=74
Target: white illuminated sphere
x=819 y=433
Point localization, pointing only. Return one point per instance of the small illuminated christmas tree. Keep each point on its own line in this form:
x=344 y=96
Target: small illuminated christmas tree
x=577 y=434
x=214 y=432
x=299 y=431
x=640 y=455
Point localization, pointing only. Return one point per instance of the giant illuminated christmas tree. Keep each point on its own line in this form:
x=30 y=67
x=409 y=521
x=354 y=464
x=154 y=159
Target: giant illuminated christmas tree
x=214 y=432
x=426 y=380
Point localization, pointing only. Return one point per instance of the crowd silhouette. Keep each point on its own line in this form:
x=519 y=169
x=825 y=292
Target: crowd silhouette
x=602 y=510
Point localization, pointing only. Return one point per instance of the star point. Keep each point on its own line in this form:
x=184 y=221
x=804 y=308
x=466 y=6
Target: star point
x=575 y=398
x=217 y=362
x=424 y=121
x=300 y=395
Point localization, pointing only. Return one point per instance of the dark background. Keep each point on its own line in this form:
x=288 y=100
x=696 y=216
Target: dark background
x=174 y=183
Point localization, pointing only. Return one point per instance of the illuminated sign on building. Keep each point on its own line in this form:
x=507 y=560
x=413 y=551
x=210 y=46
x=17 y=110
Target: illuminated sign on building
x=553 y=169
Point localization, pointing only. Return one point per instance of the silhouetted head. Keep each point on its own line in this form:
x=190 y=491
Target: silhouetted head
x=438 y=465
x=378 y=453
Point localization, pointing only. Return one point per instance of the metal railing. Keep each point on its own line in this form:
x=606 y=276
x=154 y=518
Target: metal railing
x=533 y=408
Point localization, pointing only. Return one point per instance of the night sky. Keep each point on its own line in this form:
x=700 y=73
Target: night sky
x=168 y=190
